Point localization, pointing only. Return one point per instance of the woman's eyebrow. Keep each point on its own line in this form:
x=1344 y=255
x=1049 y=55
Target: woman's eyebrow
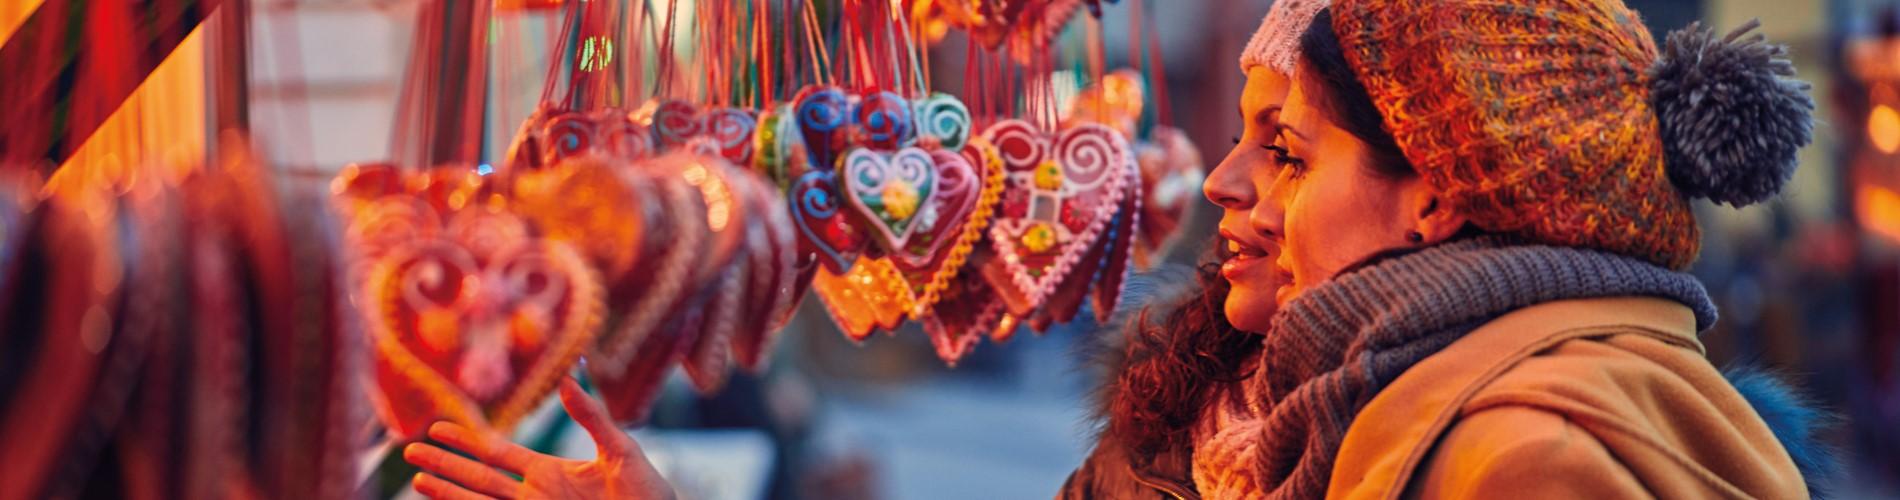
x=1265 y=114
x=1295 y=132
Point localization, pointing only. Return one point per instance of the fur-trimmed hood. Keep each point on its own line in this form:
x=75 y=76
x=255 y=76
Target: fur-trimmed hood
x=1159 y=359
x=1796 y=420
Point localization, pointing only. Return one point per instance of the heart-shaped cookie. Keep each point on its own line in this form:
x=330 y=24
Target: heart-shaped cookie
x=708 y=358
x=1098 y=276
x=478 y=323
x=967 y=310
x=818 y=211
x=720 y=271
x=889 y=191
x=675 y=122
x=1058 y=197
x=637 y=229
x=871 y=296
x=884 y=121
x=708 y=206
x=958 y=216
x=944 y=120
x=772 y=272
x=731 y=130
x=778 y=150
x=552 y=135
x=629 y=388
x=823 y=119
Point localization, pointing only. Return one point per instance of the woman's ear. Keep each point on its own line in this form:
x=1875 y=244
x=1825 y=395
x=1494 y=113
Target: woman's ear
x=1434 y=219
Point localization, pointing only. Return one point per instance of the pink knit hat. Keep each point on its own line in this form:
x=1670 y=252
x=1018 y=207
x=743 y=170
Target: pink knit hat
x=1277 y=43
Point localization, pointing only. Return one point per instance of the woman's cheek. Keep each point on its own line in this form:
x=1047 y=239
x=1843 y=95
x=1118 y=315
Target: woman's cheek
x=1307 y=243
x=1324 y=223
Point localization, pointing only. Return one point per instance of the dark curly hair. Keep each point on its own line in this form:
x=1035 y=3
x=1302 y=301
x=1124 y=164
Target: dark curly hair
x=1165 y=371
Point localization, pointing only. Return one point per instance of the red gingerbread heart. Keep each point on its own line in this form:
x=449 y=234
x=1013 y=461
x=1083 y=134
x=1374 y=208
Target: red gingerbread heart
x=474 y=322
x=1059 y=196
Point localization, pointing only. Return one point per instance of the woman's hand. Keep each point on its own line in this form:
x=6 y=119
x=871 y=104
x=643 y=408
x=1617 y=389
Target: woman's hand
x=619 y=469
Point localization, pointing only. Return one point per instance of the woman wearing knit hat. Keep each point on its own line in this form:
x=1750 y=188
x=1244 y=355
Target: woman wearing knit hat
x=1483 y=210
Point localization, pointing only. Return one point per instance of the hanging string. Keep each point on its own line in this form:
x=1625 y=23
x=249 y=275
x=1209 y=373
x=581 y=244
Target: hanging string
x=652 y=30
x=411 y=96
x=889 y=48
x=787 y=56
x=861 y=53
x=1136 y=38
x=761 y=13
x=1158 y=73
x=970 y=90
x=1097 y=47
x=920 y=73
x=917 y=33
x=569 y=16
x=820 y=52
x=667 y=57
x=630 y=51
x=1049 y=87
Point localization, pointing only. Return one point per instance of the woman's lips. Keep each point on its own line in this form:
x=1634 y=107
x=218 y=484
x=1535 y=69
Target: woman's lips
x=1244 y=261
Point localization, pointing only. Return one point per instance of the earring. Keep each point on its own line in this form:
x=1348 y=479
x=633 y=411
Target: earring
x=1415 y=237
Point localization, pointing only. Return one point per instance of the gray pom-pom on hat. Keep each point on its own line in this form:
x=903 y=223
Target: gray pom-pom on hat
x=1732 y=115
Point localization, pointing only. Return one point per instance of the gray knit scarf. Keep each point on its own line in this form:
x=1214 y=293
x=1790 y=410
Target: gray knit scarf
x=1334 y=347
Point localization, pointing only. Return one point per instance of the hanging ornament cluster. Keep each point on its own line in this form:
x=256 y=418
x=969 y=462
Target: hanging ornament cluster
x=168 y=328
x=669 y=205
x=612 y=238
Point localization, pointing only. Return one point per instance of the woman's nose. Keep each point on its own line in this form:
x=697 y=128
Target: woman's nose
x=1228 y=185
x=1268 y=217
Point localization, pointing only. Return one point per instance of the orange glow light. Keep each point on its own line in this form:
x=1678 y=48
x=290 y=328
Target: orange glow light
x=1883 y=128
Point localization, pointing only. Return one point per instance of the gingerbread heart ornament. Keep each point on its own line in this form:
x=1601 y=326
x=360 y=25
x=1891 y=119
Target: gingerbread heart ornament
x=778 y=151
x=823 y=119
x=552 y=135
x=731 y=131
x=823 y=229
x=1098 y=276
x=883 y=120
x=953 y=224
x=708 y=206
x=1058 y=197
x=772 y=290
x=477 y=323
x=889 y=192
x=966 y=311
x=675 y=122
x=944 y=120
x=873 y=295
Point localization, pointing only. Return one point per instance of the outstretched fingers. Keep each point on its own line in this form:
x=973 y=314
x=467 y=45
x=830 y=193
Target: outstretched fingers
x=490 y=448
x=475 y=475
x=593 y=417
x=435 y=487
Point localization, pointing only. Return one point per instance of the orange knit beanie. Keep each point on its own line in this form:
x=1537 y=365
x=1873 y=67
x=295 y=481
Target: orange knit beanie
x=1559 y=120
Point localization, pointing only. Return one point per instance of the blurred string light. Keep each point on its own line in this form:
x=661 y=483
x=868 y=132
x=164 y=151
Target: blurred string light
x=1883 y=128
x=1879 y=210
x=1875 y=169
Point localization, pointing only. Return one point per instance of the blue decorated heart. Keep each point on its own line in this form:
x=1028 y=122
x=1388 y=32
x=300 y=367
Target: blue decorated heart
x=822 y=227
